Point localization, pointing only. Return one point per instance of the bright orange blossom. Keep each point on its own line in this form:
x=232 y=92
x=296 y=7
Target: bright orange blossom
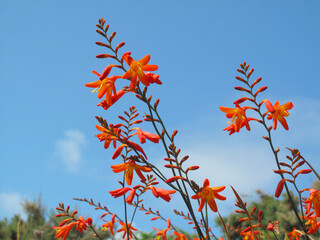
x=208 y=194
x=137 y=69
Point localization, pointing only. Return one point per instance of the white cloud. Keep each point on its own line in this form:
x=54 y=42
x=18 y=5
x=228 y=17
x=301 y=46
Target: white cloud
x=69 y=149
x=10 y=203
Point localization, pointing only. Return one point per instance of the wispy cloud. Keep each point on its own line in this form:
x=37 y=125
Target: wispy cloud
x=69 y=149
x=10 y=203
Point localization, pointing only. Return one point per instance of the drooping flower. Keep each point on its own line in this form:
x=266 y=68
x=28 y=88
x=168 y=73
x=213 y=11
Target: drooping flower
x=129 y=167
x=107 y=136
x=82 y=224
x=126 y=228
x=180 y=236
x=163 y=193
x=105 y=85
x=162 y=233
x=294 y=234
x=313 y=200
x=238 y=118
x=231 y=128
x=278 y=113
x=136 y=71
x=119 y=192
x=311 y=223
x=143 y=135
x=247 y=235
x=108 y=225
x=153 y=78
x=114 y=98
x=63 y=231
x=208 y=194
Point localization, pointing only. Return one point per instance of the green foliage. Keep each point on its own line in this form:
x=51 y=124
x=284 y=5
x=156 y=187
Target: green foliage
x=36 y=226
x=273 y=210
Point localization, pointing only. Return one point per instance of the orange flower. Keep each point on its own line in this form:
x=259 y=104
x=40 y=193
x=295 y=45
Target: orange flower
x=231 y=128
x=238 y=118
x=312 y=224
x=114 y=98
x=129 y=167
x=294 y=234
x=108 y=225
x=119 y=192
x=63 y=231
x=159 y=192
x=126 y=228
x=107 y=136
x=162 y=233
x=136 y=71
x=208 y=194
x=278 y=113
x=104 y=86
x=81 y=225
x=142 y=135
x=180 y=236
x=247 y=235
x=314 y=200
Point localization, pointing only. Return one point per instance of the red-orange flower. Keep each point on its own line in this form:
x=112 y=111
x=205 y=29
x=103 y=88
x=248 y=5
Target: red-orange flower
x=114 y=98
x=107 y=136
x=278 y=113
x=63 y=231
x=137 y=69
x=247 y=235
x=108 y=225
x=105 y=85
x=313 y=200
x=311 y=223
x=119 y=192
x=163 y=193
x=129 y=167
x=126 y=228
x=162 y=233
x=231 y=128
x=208 y=194
x=180 y=236
x=294 y=234
x=81 y=224
x=142 y=135
x=238 y=118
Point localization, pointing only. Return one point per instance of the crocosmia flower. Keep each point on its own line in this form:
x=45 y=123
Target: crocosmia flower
x=209 y=194
x=278 y=113
x=238 y=118
x=136 y=71
x=114 y=98
x=107 y=136
x=129 y=167
x=105 y=85
x=108 y=225
x=143 y=135
x=180 y=236
x=313 y=200
x=63 y=231
x=294 y=234
x=126 y=228
x=163 y=193
x=311 y=223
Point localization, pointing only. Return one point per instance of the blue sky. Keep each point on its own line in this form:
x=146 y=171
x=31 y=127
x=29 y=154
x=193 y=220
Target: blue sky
x=47 y=115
